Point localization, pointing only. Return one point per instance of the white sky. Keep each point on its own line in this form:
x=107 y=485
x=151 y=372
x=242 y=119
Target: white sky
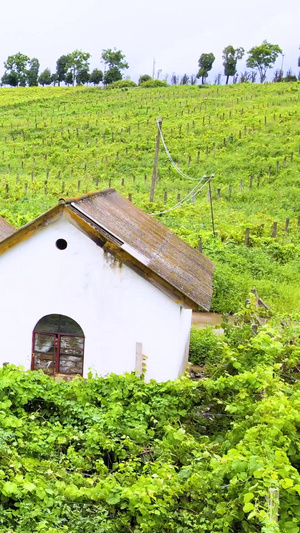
x=175 y=32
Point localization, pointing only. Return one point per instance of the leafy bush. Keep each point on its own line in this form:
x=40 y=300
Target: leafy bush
x=122 y=84
x=153 y=83
x=229 y=289
x=116 y=454
x=205 y=346
x=143 y=78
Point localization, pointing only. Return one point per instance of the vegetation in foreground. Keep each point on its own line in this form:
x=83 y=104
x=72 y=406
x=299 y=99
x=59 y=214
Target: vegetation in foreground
x=117 y=454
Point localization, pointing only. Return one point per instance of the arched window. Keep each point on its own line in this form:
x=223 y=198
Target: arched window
x=58 y=346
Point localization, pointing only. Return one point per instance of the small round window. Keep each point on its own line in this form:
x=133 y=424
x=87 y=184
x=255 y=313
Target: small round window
x=61 y=244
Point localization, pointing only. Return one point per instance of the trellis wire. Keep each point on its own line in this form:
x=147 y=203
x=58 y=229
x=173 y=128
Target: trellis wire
x=195 y=190
x=172 y=160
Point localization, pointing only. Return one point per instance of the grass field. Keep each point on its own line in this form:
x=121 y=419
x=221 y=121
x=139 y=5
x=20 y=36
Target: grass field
x=59 y=142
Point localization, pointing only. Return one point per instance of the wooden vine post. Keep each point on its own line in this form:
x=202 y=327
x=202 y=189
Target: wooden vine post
x=211 y=205
x=154 y=173
x=273 y=505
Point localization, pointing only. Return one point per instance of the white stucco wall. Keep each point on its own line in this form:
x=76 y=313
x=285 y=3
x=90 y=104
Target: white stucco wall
x=115 y=307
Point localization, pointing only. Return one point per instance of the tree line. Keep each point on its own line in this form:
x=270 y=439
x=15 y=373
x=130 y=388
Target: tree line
x=73 y=68
x=260 y=59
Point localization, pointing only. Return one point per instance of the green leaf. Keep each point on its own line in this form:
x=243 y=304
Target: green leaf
x=114 y=498
x=9 y=488
x=248 y=507
x=286 y=483
x=30 y=487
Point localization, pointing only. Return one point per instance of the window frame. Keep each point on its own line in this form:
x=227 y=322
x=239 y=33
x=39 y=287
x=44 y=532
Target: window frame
x=57 y=345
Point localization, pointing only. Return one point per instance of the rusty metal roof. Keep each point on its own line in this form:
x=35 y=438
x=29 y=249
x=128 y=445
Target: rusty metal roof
x=149 y=243
x=6 y=229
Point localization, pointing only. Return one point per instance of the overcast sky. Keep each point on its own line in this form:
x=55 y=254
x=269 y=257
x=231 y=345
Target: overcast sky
x=173 y=32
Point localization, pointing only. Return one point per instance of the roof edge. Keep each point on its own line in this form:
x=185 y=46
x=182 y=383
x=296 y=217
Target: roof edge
x=85 y=196
x=30 y=228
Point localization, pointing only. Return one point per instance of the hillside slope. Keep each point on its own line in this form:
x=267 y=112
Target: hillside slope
x=66 y=141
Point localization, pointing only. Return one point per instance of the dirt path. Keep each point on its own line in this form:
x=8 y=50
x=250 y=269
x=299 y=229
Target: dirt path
x=201 y=319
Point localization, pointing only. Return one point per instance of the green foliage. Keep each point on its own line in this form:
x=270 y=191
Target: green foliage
x=205 y=346
x=143 y=78
x=205 y=63
x=114 y=58
x=95 y=137
x=33 y=72
x=117 y=454
x=263 y=57
x=290 y=77
x=10 y=78
x=148 y=84
x=78 y=65
x=45 y=77
x=231 y=56
x=62 y=67
x=122 y=84
x=96 y=76
x=16 y=70
x=112 y=76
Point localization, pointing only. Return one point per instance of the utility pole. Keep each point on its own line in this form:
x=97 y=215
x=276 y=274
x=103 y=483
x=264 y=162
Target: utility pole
x=211 y=206
x=153 y=70
x=154 y=173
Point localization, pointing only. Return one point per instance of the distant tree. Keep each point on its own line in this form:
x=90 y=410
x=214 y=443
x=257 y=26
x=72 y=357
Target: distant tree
x=144 y=77
x=112 y=75
x=231 y=56
x=45 y=77
x=33 y=72
x=193 y=79
x=62 y=68
x=290 y=76
x=253 y=75
x=16 y=70
x=174 y=79
x=79 y=66
x=114 y=58
x=278 y=75
x=263 y=57
x=10 y=78
x=205 y=63
x=96 y=76
x=245 y=76
x=83 y=76
x=218 y=79
x=69 y=80
x=184 y=80
x=54 y=78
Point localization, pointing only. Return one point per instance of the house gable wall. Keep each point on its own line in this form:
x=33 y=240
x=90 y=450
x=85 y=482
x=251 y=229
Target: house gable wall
x=115 y=307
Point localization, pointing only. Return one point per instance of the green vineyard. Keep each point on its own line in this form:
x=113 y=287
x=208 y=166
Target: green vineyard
x=60 y=142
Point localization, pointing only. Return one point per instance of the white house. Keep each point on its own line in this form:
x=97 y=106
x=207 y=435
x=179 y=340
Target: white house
x=97 y=284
